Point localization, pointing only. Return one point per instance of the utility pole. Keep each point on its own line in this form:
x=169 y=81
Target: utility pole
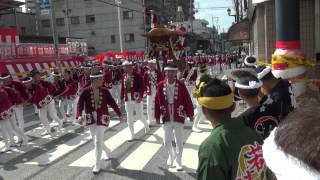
x=145 y=23
x=190 y=15
x=118 y=2
x=54 y=34
x=66 y=12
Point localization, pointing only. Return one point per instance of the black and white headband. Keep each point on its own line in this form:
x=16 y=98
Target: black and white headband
x=264 y=72
x=253 y=64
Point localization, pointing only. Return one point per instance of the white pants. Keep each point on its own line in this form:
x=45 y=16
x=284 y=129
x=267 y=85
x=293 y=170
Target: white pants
x=130 y=107
x=199 y=116
x=36 y=109
x=211 y=70
x=16 y=130
x=173 y=129
x=115 y=91
x=233 y=65
x=97 y=133
x=51 y=110
x=190 y=90
x=19 y=115
x=75 y=107
x=150 y=105
x=70 y=106
x=7 y=131
x=218 y=68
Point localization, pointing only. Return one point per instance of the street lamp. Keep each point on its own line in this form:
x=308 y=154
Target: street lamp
x=229 y=14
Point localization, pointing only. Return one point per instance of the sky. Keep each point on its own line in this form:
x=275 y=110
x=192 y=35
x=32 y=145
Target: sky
x=23 y=7
x=224 y=21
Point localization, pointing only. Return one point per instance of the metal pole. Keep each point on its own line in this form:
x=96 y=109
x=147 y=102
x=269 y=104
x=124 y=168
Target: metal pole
x=54 y=34
x=67 y=18
x=118 y=2
x=145 y=24
x=15 y=17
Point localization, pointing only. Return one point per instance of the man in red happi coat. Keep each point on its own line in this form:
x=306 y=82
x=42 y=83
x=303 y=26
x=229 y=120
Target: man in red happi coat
x=94 y=101
x=151 y=78
x=42 y=96
x=132 y=91
x=21 y=96
x=173 y=104
x=68 y=95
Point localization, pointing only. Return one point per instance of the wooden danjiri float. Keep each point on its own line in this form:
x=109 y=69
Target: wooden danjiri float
x=166 y=43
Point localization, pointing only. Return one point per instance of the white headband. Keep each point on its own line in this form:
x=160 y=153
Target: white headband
x=27 y=81
x=252 y=85
x=96 y=76
x=4 y=77
x=153 y=61
x=170 y=69
x=264 y=72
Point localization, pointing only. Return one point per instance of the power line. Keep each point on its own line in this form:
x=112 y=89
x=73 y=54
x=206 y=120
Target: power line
x=115 y=5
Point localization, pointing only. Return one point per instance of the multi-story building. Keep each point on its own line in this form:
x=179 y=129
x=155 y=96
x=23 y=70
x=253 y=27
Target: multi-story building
x=202 y=37
x=171 y=7
x=97 y=22
x=167 y=9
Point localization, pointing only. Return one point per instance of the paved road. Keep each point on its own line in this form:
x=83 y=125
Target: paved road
x=69 y=155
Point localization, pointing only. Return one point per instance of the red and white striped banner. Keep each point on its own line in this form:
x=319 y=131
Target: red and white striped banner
x=20 y=68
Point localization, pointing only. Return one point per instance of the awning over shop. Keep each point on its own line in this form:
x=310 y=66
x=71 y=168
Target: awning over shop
x=258 y=1
x=239 y=32
x=8 y=4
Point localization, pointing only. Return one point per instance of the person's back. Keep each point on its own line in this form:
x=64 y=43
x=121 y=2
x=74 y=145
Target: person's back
x=280 y=90
x=232 y=151
x=282 y=96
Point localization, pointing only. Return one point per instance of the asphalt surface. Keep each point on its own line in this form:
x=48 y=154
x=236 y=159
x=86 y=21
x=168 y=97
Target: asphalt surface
x=20 y=163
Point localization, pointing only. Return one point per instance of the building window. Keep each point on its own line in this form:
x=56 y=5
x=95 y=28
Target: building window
x=45 y=23
x=129 y=37
x=60 y=21
x=75 y=20
x=90 y=19
x=113 y=39
x=127 y=15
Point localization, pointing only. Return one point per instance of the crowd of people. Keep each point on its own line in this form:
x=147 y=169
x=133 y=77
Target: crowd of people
x=234 y=150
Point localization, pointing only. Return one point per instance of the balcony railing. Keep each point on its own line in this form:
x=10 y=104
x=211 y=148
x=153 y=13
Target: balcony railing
x=27 y=50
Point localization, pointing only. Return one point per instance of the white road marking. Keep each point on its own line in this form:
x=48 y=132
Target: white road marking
x=63 y=149
x=112 y=143
x=139 y=158
x=190 y=154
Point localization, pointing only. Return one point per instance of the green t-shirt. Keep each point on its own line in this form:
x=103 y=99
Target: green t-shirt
x=232 y=151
